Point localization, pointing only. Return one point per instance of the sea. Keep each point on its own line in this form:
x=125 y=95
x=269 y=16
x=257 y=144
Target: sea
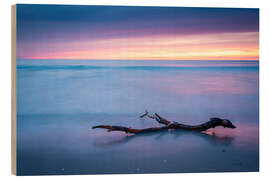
x=59 y=101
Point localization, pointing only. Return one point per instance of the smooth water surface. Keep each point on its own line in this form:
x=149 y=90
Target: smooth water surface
x=58 y=101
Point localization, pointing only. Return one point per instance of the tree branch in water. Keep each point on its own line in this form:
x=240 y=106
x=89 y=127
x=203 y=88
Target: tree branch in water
x=212 y=123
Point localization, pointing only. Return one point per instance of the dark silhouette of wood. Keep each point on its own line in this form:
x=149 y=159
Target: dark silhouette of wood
x=212 y=123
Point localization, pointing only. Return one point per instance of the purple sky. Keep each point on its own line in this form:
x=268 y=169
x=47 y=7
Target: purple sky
x=119 y=32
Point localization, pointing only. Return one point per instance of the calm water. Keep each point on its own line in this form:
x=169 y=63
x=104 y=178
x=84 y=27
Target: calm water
x=58 y=101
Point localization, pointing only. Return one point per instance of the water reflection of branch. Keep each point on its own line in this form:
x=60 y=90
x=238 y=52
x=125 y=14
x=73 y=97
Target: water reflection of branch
x=173 y=127
x=218 y=139
x=213 y=138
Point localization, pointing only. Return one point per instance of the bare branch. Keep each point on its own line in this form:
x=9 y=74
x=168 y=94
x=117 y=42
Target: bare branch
x=214 y=122
x=145 y=114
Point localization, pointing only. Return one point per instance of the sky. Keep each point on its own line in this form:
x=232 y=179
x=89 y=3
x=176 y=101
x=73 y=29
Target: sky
x=136 y=33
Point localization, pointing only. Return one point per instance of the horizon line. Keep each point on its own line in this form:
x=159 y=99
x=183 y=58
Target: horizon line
x=141 y=59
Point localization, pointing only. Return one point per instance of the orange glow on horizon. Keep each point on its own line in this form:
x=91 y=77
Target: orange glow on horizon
x=218 y=46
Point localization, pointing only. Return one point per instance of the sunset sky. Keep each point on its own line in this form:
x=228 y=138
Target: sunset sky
x=136 y=33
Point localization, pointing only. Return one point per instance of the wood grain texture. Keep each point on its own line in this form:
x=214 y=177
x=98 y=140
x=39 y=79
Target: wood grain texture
x=13 y=92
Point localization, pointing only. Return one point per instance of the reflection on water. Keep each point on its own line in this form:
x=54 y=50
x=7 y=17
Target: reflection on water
x=212 y=137
x=59 y=101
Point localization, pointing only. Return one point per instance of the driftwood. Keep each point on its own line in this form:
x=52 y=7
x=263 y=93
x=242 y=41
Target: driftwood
x=212 y=123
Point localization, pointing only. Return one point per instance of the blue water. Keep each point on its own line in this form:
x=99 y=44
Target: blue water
x=58 y=101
